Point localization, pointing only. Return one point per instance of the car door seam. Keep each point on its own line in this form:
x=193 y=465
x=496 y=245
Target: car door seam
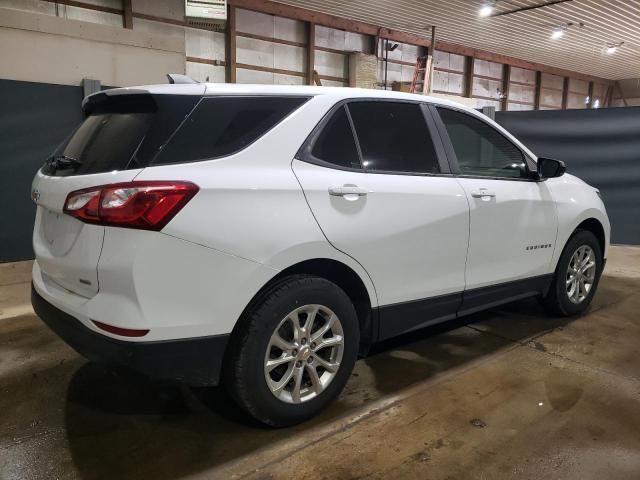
x=325 y=235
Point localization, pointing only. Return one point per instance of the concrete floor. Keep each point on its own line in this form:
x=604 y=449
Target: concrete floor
x=511 y=394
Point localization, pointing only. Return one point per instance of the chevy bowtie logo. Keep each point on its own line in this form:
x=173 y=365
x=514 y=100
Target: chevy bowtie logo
x=35 y=195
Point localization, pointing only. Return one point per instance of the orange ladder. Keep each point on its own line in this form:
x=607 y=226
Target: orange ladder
x=420 y=73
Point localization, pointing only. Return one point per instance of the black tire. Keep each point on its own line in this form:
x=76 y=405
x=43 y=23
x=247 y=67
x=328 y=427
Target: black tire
x=244 y=374
x=557 y=301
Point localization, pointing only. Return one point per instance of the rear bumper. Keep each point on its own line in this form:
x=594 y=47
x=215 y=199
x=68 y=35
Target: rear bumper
x=194 y=361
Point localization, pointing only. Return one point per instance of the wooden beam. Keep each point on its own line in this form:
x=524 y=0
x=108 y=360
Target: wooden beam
x=127 y=14
x=487 y=77
x=616 y=86
x=607 y=97
x=88 y=6
x=270 y=39
x=231 y=64
x=506 y=81
x=345 y=81
x=515 y=62
x=590 y=95
x=538 y=90
x=333 y=21
x=437 y=69
x=258 y=68
x=207 y=61
x=565 y=93
x=401 y=62
x=468 y=76
x=337 y=51
x=427 y=86
x=311 y=52
x=297 y=13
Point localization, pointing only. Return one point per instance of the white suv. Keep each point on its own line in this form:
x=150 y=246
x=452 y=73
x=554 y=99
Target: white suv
x=263 y=237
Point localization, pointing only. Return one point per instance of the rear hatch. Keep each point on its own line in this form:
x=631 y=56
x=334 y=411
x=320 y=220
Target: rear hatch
x=123 y=132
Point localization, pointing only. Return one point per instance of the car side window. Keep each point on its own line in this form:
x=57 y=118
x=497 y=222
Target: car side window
x=223 y=125
x=481 y=149
x=335 y=144
x=393 y=136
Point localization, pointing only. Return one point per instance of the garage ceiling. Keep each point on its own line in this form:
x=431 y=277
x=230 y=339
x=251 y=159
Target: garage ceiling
x=525 y=35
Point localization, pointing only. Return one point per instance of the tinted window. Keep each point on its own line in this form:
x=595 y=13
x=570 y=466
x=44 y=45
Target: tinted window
x=103 y=142
x=120 y=132
x=393 y=137
x=336 y=144
x=480 y=148
x=220 y=126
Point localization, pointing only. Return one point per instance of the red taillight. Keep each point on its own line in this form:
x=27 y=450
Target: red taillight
x=143 y=205
x=123 y=332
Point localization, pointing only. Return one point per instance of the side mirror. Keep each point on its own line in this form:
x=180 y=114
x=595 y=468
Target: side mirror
x=548 y=168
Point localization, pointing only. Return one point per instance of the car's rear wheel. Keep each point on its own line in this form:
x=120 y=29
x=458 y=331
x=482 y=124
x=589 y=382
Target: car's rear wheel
x=576 y=278
x=294 y=351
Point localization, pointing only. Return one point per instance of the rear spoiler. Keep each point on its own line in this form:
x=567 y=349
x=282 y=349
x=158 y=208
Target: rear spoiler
x=177 y=78
x=119 y=101
x=183 y=87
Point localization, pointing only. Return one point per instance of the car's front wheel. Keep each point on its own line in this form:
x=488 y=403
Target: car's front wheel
x=294 y=351
x=576 y=277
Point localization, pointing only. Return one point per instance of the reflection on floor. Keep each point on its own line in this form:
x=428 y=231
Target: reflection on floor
x=508 y=393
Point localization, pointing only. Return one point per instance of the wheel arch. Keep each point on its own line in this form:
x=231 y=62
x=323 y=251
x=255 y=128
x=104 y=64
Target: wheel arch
x=594 y=226
x=345 y=278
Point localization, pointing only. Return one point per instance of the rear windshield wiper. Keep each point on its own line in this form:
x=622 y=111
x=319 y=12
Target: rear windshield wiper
x=61 y=162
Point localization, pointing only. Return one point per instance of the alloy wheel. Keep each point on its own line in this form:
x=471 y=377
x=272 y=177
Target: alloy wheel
x=304 y=353
x=581 y=274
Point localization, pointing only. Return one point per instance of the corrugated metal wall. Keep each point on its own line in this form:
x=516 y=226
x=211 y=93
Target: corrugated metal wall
x=602 y=147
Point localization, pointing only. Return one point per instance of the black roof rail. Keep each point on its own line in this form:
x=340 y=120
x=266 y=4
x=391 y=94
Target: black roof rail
x=179 y=78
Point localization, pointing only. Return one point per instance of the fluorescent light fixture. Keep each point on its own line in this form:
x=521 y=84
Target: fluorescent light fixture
x=557 y=33
x=486 y=10
x=611 y=49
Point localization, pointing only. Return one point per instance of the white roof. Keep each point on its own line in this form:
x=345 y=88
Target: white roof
x=302 y=90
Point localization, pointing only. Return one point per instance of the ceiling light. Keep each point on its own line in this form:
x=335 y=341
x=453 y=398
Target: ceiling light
x=557 y=33
x=486 y=9
x=612 y=48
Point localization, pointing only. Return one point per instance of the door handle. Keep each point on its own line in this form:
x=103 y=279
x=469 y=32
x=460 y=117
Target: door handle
x=482 y=193
x=347 y=190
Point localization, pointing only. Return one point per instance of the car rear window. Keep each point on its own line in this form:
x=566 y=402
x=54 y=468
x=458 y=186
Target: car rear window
x=221 y=126
x=120 y=132
x=138 y=130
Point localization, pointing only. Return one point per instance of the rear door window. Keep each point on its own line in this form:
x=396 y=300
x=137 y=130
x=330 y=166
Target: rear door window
x=336 y=144
x=393 y=137
x=221 y=126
